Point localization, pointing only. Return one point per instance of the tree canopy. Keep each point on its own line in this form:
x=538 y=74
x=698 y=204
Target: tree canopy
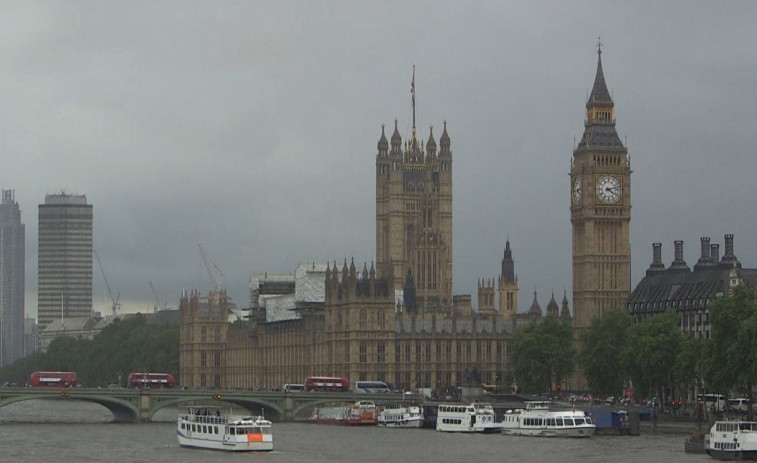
x=543 y=355
x=601 y=350
x=122 y=347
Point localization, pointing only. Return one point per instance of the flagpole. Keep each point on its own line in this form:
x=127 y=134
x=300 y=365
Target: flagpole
x=412 y=92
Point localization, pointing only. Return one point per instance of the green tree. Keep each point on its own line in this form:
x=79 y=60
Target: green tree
x=543 y=355
x=733 y=337
x=651 y=350
x=601 y=351
x=689 y=366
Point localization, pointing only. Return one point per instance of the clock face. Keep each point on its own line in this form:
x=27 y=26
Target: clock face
x=608 y=189
x=577 y=190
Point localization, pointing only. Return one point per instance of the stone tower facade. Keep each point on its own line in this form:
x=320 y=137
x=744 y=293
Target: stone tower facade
x=508 y=285
x=600 y=196
x=204 y=327
x=486 y=297
x=414 y=216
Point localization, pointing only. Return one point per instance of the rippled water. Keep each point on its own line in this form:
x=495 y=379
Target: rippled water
x=71 y=431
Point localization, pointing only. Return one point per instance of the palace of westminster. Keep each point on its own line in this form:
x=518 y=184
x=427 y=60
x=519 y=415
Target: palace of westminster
x=399 y=322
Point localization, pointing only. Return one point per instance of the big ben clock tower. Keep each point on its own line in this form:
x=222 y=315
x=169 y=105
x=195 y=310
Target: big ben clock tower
x=600 y=212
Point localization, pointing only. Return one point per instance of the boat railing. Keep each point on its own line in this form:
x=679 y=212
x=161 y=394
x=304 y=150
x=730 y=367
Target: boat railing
x=206 y=419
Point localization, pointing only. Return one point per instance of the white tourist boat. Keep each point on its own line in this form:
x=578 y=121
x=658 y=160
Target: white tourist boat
x=476 y=417
x=209 y=428
x=538 y=420
x=733 y=440
x=401 y=417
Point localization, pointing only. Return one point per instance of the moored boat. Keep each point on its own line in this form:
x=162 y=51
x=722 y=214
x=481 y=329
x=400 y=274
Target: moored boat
x=401 y=417
x=538 y=420
x=208 y=427
x=733 y=440
x=695 y=443
x=476 y=417
x=362 y=412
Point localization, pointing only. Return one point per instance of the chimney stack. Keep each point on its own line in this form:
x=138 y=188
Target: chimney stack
x=657 y=266
x=705 y=260
x=678 y=265
x=715 y=253
x=729 y=259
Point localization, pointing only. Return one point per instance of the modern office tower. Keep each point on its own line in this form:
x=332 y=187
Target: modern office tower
x=12 y=233
x=64 y=288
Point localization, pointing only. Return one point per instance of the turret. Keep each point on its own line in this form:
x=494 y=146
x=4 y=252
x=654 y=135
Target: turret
x=396 y=141
x=565 y=312
x=535 y=310
x=430 y=145
x=552 y=308
x=508 y=265
x=444 y=143
x=383 y=144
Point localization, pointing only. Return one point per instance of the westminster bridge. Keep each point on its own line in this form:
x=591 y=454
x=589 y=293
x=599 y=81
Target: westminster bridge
x=139 y=405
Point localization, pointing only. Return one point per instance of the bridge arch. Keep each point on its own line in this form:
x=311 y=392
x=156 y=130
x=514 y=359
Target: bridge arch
x=248 y=403
x=123 y=410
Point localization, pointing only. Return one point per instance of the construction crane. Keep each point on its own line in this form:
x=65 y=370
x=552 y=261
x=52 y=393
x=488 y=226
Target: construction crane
x=160 y=306
x=215 y=279
x=116 y=304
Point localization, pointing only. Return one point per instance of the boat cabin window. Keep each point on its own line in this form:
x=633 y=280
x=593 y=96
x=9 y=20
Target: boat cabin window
x=568 y=421
x=558 y=421
x=579 y=421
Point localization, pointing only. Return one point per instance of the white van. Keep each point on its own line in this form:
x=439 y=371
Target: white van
x=713 y=402
x=294 y=387
x=739 y=405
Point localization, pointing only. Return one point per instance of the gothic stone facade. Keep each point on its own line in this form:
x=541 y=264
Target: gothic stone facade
x=360 y=332
x=600 y=212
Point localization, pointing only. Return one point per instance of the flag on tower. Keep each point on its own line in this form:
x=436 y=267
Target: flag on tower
x=412 y=86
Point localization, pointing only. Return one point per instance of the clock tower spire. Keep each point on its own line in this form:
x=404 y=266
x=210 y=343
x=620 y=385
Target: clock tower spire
x=600 y=212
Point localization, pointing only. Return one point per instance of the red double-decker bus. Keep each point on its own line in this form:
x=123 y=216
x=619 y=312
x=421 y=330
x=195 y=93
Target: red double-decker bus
x=53 y=379
x=151 y=380
x=327 y=384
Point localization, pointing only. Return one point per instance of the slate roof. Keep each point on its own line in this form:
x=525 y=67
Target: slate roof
x=599 y=93
x=600 y=136
x=681 y=290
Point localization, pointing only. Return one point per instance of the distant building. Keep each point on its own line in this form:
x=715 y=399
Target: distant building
x=30 y=336
x=12 y=267
x=65 y=259
x=81 y=328
x=84 y=328
x=396 y=321
x=689 y=291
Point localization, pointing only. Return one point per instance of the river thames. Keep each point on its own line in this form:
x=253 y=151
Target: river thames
x=55 y=431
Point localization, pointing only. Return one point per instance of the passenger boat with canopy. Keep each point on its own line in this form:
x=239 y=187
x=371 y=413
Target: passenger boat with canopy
x=733 y=440
x=208 y=427
x=410 y=416
x=538 y=420
x=476 y=417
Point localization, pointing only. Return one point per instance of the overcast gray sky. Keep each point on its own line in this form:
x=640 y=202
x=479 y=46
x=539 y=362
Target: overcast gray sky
x=251 y=127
